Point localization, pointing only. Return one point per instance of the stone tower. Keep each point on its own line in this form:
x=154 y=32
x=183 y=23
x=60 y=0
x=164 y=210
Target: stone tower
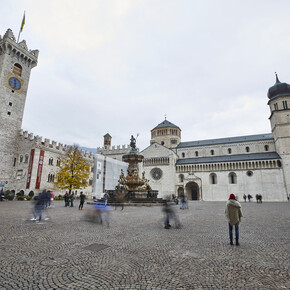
x=16 y=62
x=166 y=134
x=279 y=103
x=107 y=141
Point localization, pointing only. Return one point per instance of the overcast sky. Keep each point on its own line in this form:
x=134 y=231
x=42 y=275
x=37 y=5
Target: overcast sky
x=118 y=67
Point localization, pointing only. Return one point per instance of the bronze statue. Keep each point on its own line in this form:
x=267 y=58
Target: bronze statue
x=133 y=142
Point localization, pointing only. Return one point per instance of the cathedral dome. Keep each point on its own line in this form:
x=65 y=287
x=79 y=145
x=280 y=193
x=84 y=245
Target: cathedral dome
x=279 y=89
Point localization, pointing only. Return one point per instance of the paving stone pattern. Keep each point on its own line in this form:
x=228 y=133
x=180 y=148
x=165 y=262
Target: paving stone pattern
x=136 y=252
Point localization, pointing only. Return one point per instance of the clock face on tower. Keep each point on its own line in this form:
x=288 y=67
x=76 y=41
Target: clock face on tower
x=14 y=83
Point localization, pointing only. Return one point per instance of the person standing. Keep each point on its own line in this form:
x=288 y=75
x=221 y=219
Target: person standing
x=82 y=200
x=66 y=199
x=234 y=214
x=72 y=197
x=106 y=197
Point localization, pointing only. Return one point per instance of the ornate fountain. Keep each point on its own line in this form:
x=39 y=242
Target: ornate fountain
x=132 y=187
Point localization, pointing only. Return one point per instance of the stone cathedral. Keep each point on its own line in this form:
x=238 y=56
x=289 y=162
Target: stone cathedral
x=203 y=170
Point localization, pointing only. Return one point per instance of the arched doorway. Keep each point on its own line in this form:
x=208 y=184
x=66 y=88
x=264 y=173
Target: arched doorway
x=192 y=191
x=180 y=191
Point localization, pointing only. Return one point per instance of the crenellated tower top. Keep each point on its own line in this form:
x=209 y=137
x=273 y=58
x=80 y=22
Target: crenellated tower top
x=8 y=45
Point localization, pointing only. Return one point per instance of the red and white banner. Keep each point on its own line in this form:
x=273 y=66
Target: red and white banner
x=30 y=168
x=39 y=170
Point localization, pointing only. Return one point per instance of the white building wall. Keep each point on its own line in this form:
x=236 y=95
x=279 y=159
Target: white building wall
x=106 y=174
x=268 y=182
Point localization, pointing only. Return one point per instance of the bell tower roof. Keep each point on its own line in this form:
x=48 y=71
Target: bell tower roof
x=279 y=89
x=164 y=124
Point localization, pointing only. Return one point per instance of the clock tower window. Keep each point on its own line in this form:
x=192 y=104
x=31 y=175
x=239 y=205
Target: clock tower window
x=17 y=69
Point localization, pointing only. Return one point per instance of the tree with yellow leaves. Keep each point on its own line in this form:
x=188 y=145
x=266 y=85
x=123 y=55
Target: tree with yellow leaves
x=74 y=171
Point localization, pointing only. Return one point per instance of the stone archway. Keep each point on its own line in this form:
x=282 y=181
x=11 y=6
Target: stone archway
x=180 y=191
x=192 y=191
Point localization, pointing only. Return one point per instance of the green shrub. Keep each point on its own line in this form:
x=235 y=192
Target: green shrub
x=20 y=193
x=31 y=194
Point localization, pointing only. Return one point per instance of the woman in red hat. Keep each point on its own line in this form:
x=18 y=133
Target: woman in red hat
x=233 y=213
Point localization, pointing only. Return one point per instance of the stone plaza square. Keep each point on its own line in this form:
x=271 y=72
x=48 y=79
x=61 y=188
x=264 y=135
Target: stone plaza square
x=136 y=252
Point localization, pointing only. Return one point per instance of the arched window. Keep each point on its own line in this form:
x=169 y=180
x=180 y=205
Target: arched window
x=247 y=149
x=266 y=148
x=162 y=142
x=229 y=150
x=183 y=154
x=232 y=178
x=196 y=153
x=50 y=161
x=57 y=162
x=212 y=152
x=212 y=178
x=26 y=158
x=181 y=177
x=17 y=69
x=21 y=158
x=50 y=177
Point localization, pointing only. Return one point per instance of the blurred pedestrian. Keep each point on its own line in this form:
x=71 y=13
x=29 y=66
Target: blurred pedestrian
x=106 y=197
x=245 y=198
x=249 y=197
x=82 y=200
x=102 y=212
x=234 y=214
x=47 y=197
x=182 y=201
x=38 y=206
x=169 y=214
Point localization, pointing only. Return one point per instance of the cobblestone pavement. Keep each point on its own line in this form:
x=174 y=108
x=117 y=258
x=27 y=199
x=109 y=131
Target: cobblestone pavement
x=136 y=252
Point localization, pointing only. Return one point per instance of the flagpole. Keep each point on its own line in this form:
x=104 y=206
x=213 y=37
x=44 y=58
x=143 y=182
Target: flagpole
x=18 y=35
x=21 y=27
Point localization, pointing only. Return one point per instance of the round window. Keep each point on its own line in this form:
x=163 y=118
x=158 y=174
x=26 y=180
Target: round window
x=250 y=173
x=156 y=173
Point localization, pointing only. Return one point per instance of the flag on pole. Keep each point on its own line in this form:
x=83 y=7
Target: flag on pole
x=23 y=22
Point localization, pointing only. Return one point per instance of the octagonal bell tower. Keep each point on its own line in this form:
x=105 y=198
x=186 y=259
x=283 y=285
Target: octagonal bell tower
x=166 y=134
x=16 y=62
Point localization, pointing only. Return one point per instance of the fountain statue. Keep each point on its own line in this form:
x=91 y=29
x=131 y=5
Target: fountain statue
x=132 y=185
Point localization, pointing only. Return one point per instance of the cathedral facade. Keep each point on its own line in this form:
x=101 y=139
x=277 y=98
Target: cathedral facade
x=211 y=169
